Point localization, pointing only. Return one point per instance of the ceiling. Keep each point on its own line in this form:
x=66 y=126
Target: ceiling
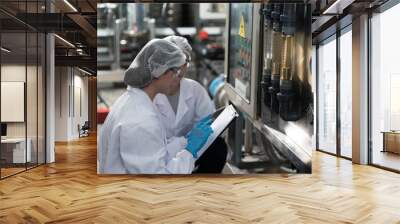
x=72 y=20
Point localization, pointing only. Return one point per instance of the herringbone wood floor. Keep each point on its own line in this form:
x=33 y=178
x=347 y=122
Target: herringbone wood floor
x=70 y=191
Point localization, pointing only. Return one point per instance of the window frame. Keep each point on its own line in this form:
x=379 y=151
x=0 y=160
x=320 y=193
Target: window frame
x=334 y=37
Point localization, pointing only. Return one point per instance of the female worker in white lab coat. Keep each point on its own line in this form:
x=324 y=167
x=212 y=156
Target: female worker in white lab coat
x=181 y=111
x=193 y=104
x=133 y=139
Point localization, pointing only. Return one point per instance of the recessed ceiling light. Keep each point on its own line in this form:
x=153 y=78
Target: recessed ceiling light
x=70 y=5
x=84 y=71
x=5 y=50
x=64 y=40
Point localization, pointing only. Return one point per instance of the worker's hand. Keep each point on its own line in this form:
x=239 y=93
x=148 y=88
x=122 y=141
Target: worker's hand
x=197 y=137
x=206 y=120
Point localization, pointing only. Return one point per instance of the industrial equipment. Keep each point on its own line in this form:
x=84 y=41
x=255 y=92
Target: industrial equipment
x=269 y=80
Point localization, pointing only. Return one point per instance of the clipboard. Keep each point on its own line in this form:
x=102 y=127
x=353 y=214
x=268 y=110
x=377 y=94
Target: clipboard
x=221 y=120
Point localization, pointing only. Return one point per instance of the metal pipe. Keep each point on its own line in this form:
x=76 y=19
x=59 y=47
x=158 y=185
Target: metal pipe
x=276 y=56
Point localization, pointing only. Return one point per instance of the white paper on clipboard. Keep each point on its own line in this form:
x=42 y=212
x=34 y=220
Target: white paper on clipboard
x=218 y=126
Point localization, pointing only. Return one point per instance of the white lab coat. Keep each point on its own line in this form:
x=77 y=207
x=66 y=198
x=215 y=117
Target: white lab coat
x=194 y=104
x=133 y=140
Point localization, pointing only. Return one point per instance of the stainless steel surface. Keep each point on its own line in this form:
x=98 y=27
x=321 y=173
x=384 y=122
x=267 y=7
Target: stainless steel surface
x=286 y=120
x=300 y=157
x=291 y=125
x=245 y=105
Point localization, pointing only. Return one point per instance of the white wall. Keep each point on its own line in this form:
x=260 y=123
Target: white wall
x=33 y=126
x=80 y=100
x=61 y=103
x=15 y=73
x=71 y=93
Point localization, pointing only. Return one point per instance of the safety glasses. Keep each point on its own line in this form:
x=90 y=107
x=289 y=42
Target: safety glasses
x=178 y=71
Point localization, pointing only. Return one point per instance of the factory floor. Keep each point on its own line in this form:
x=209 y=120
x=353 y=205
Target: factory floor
x=70 y=191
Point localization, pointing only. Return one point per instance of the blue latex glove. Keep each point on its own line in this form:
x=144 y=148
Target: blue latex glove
x=198 y=136
x=206 y=120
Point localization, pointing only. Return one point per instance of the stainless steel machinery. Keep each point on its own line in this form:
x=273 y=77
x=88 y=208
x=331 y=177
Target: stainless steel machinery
x=268 y=72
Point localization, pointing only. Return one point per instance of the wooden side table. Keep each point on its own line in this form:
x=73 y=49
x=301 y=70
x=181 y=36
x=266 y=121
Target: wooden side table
x=391 y=141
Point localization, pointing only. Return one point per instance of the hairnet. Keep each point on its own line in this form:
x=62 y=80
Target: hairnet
x=182 y=43
x=155 y=58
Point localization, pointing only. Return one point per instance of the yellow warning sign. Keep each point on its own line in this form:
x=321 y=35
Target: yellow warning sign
x=242 y=32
